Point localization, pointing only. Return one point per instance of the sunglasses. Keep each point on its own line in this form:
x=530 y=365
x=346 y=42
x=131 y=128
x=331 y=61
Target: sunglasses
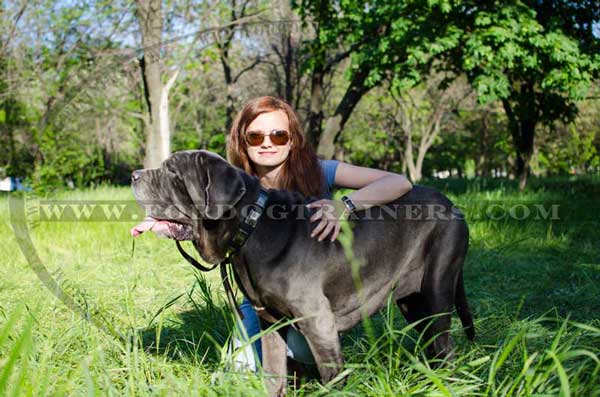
x=277 y=137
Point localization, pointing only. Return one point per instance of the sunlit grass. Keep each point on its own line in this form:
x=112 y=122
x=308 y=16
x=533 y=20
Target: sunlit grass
x=534 y=287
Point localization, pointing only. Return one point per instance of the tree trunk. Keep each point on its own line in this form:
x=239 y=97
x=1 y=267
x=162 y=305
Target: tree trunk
x=224 y=40
x=288 y=65
x=480 y=169
x=10 y=123
x=335 y=123
x=229 y=104
x=158 y=134
x=414 y=172
x=522 y=128
x=525 y=152
x=315 y=115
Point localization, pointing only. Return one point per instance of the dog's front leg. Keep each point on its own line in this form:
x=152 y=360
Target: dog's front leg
x=274 y=363
x=321 y=334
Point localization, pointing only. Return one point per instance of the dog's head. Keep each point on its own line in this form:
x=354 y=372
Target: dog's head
x=188 y=198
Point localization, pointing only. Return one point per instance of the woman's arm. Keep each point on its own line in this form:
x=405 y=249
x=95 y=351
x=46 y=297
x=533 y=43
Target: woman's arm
x=375 y=187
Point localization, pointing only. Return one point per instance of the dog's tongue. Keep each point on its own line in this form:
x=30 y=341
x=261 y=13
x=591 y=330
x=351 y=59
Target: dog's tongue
x=160 y=228
x=143 y=227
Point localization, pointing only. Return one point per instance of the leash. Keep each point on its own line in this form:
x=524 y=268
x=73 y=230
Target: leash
x=245 y=228
x=193 y=261
x=224 y=265
x=225 y=277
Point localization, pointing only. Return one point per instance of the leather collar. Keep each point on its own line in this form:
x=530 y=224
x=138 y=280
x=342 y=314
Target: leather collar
x=248 y=225
x=245 y=228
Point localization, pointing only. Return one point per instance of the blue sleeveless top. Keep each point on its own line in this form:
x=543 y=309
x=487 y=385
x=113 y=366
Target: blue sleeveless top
x=329 y=168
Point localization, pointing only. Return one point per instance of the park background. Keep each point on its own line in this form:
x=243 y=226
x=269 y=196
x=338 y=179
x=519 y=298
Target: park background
x=496 y=103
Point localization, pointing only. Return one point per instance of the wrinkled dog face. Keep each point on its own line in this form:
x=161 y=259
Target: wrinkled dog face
x=185 y=198
x=162 y=193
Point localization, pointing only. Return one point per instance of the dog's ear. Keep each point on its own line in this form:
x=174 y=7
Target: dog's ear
x=225 y=186
x=214 y=185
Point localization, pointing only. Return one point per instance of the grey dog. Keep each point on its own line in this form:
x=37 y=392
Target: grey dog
x=412 y=248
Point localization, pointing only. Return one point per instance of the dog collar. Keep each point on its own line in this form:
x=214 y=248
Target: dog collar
x=248 y=225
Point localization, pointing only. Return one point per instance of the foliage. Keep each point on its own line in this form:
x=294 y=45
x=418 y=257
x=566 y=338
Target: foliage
x=71 y=90
x=64 y=161
x=371 y=140
x=397 y=39
x=573 y=152
x=537 y=63
x=510 y=46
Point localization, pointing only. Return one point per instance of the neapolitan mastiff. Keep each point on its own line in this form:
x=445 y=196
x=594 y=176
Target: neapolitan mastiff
x=412 y=248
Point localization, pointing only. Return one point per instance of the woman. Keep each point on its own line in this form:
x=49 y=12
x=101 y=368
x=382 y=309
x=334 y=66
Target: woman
x=266 y=140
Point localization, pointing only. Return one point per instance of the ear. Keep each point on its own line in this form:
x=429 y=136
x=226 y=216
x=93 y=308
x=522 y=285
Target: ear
x=190 y=167
x=213 y=184
x=224 y=186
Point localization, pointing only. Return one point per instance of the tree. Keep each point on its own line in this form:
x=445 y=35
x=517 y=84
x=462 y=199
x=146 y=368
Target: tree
x=420 y=114
x=537 y=57
x=384 y=39
x=232 y=13
x=12 y=111
x=570 y=148
x=51 y=69
x=158 y=134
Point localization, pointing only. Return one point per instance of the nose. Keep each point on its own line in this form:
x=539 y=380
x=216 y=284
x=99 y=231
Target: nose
x=266 y=141
x=136 y=175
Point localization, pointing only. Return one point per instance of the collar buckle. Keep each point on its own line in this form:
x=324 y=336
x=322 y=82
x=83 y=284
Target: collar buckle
x=252 y=218
x=249 y=223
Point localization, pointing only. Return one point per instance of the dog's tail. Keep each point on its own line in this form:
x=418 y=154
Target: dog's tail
x=462 y=308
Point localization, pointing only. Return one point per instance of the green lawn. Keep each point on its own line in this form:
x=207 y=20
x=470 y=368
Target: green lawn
x=149 y=325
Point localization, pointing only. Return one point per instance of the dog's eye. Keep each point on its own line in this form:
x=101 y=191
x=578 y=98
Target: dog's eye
x=171 y=171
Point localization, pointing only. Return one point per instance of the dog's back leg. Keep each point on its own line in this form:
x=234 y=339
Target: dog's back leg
x=443 y=283
x=416 y=308
x=462 y=308
x=438 y=292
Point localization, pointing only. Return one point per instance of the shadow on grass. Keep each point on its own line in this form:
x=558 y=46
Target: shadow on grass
x=529 y=280
x=565 y=185
x=196 y=335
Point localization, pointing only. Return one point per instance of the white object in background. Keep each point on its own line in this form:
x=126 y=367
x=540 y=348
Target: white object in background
x=6 y=184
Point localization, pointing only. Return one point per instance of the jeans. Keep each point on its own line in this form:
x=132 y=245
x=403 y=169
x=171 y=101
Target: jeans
x=251 y=325
x=297 y=346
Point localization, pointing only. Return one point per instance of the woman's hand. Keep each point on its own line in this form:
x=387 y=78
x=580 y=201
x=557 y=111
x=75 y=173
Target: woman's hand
x=330 y=212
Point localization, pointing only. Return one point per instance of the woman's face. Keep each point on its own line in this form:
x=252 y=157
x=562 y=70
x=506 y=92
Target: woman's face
x=268 y=154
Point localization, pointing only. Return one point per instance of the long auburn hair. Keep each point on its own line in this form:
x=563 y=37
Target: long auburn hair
x=301 y=171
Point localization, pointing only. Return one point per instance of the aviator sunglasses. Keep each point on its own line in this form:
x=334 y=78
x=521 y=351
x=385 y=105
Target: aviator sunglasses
x=277 y=137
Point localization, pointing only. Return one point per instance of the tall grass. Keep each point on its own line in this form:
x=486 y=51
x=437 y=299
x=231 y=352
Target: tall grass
x=534 y=286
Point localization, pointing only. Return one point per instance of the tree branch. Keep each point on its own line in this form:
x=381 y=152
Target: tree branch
x=256 y=62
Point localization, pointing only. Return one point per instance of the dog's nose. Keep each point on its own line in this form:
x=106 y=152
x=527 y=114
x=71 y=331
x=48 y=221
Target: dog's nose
x=136 y=175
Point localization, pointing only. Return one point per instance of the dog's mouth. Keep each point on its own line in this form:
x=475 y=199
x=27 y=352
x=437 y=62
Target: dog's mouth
x=164 y=228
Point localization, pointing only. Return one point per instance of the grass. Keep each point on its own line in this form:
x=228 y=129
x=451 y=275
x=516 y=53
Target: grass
x=533 y=285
